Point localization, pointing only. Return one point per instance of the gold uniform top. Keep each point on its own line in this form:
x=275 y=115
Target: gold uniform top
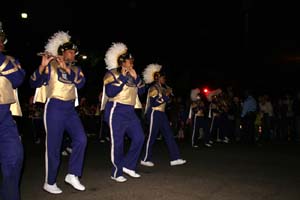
x=58 y=87
x=6 y=91
x=8 y=95
x=157 y=91
x=129 y=93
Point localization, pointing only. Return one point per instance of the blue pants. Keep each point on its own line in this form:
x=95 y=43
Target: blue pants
x=159 y=122
x=11 y=155
x=122 y=120
x=61 y=116
x=200 y=122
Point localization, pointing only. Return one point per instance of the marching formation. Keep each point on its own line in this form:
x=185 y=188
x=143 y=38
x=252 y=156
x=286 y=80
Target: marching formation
x=140 y=108
x=56 y=82
x=215 y=116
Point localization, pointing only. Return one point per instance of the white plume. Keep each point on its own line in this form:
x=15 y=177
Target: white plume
x=195 y=94
x=213 y=93
x=149 y=72
x=55 y=41
x=113 y=53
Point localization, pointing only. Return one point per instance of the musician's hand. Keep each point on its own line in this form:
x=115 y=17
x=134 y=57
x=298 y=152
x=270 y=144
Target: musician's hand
x=168 y=92
x=45 y=61
x=62 y=64
x=132 y=72
x=124 y=71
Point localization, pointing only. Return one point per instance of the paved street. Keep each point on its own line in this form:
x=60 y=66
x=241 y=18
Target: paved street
x=224 y=172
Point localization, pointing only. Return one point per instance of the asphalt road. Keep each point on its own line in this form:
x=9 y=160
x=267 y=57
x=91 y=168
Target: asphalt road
x=223 y=172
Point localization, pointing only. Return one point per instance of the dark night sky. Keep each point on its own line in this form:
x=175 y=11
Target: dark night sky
x=229 y=42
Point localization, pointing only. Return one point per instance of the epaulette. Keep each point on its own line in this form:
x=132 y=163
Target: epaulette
x=153 y=91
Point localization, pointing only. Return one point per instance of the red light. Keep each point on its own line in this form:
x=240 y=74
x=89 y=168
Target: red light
x=205 y=90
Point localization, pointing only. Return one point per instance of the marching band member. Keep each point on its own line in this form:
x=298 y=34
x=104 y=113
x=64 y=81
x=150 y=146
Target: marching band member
x=198 y=117
x=158 y=96
x=57 y=80
x=11 y=148
x=217 y=115
x=121 y=89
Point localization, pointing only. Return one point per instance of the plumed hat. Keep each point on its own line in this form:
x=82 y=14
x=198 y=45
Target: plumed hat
x=58 y=43
x=116 y=55
x=195 y=94
x=213 y=93
x=151 y=73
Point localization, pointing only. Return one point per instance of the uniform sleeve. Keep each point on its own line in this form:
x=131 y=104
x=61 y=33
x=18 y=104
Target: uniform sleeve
x=37 y=80
x=113 y=85
x=140 y=85
x=13 y=72
x=156 y=98
x=77 y=77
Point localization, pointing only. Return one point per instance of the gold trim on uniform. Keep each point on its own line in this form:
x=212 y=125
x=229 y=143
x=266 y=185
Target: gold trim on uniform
x=161 y=107
x=4 y=64
x=6 y=91
x=127 y=96
x=57 y=89
x=154 y=91
x=108 y=78
x=8 y=95
x=15 y=108
x=77 y=78
x=10 y=71
x=40 y=94
x=64 y=80
x=113 y=78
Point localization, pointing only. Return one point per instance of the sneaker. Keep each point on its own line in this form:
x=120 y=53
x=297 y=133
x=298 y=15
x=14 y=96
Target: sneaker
x=102 y=140
x=207 y=145
x=147 y=163
x=177 y=162
x=226 y=140
x=119 y=179
x=74 y=181
x=64 y=153
x=131 y=173
x=53 y=189
x=69 y=150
